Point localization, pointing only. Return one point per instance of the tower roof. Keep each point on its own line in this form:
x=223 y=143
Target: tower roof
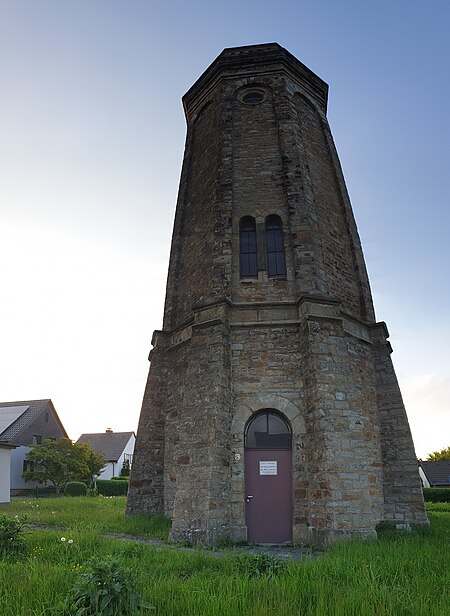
x=250 y=61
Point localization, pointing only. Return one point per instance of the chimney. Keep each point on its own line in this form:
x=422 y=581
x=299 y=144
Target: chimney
x=108 y=429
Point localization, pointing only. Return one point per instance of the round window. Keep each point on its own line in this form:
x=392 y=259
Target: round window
x=253 y=98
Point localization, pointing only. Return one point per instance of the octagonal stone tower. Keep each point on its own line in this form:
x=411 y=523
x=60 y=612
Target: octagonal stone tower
x=272 y=412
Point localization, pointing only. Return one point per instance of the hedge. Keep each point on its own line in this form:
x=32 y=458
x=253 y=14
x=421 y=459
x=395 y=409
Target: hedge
x=108 y=487
x=75 y=488
x=437 y=495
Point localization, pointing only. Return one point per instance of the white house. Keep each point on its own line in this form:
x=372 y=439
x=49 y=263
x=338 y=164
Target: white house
x=5 y=472
x=117 y=448
x=23 y=424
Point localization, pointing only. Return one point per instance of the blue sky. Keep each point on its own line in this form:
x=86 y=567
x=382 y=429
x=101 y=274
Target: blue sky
x=92 y=136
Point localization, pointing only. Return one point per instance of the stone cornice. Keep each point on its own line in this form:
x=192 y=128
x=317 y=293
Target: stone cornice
x=254 y=60
x=270 y=314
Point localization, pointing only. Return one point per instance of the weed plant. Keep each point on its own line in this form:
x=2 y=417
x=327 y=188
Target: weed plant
x=104 y=590
x=260 y=565
x=12 y=535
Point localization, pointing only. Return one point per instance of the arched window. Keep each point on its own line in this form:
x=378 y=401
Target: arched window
x=247 y=238
x=276 y=261
x=268 y=430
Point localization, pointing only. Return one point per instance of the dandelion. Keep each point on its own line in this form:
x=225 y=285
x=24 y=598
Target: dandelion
x=63 y=539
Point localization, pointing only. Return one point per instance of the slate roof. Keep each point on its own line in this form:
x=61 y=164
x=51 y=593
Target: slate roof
x=110 y=444
x=15 y=416
x=437 y=472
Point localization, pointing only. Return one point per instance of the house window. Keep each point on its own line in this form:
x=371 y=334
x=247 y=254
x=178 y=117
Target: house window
x=37 y=439
x=276 y=261
x=247 y=238
x=128 y=457
x=28 y=466
x=46 y=417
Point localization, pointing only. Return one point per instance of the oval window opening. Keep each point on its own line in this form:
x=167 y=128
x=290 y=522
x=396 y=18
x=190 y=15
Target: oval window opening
x=252 y=98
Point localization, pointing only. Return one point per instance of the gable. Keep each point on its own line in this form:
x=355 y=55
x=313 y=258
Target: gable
x=24 y=419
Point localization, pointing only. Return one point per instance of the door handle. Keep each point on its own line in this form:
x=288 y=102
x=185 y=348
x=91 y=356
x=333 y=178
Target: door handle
x=249 y=498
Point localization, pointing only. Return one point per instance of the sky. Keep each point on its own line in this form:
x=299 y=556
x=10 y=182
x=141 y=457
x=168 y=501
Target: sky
x=91 y=143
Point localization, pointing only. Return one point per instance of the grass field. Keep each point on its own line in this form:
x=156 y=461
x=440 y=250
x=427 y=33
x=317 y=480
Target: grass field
x=400 y=574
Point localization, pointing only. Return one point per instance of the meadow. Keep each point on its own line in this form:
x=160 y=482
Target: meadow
x=399 y=574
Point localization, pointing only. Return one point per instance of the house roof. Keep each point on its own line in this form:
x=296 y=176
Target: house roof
x=436 y=471
x=110 y=444
x=16 y=416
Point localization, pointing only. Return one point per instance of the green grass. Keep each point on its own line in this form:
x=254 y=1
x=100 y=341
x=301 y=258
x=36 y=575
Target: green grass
x=100 y=514
x=401 y=574
x=438 y=507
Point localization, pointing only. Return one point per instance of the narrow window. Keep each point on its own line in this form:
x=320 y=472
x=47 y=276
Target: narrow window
x=276 y=261
x=247 y=236
x=37 y=439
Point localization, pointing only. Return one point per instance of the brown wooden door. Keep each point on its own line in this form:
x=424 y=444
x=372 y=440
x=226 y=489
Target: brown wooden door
x=268 y=484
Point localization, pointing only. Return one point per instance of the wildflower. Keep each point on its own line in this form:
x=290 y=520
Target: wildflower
x=70 y=540
x=63 y=539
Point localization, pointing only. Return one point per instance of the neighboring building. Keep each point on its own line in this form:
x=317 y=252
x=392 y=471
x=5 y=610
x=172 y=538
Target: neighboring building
x=435 y=473
x=5 y=472
x=272 y=412
x=23 y=424
x=116 y=447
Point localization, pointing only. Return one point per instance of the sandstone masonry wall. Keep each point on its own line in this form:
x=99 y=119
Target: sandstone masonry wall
x=304 y=345
x=190 y=278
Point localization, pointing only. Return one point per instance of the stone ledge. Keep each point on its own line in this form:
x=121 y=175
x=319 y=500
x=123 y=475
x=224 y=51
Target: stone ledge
x=271 y=314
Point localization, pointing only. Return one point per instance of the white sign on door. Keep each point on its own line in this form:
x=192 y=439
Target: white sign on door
x=268 y=467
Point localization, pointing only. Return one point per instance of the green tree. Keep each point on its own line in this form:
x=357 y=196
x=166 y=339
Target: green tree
x=95 y=461
x=59 y=461
x=444 y=454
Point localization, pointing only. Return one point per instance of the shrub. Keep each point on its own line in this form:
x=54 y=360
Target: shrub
x=12 y=530
x=261 y=564
x=75 y=488
x=437 y=495
x=107 y=590
x=125 y=470
x=108 y=487
x=120 y=478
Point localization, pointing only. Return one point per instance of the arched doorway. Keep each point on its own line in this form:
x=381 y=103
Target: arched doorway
x=268 y=478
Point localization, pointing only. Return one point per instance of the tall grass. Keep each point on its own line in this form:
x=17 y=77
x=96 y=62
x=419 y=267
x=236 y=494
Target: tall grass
x=400 y=574
x=100 y=514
